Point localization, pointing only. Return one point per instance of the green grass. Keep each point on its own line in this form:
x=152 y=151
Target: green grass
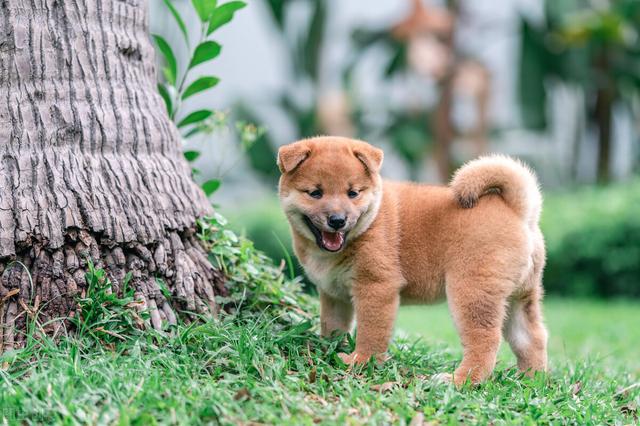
x=606 y=331
x=271 y=369
x=266 y=363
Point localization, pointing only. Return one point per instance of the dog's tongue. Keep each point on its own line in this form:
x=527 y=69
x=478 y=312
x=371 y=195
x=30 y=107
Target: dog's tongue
x=332 y=240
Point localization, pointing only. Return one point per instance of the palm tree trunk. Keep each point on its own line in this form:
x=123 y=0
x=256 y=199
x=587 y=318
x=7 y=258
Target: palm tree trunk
x=90 y=166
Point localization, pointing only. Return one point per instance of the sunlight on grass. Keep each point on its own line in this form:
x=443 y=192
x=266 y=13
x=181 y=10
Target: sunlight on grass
x=273 y=370
x=598 y=330
x=266 y=363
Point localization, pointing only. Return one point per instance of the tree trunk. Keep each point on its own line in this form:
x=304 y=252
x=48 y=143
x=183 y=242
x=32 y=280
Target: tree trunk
x=91 y=167
x=443 y=129
x=603 y=112
x=444 y=133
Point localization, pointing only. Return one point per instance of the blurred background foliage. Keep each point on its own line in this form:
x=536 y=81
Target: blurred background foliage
x=434 y=83
x=298 y=102
x=592 y=237
x=596 y=50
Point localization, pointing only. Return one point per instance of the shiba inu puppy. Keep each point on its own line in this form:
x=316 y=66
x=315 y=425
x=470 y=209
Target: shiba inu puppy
x=369 y=245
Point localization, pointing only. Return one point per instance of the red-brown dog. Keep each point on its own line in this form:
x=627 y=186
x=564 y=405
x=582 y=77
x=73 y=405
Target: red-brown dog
x=369 y=245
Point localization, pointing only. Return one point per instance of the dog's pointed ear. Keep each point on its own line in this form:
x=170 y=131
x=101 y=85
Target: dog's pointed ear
x=291 y=156
x=370 y=156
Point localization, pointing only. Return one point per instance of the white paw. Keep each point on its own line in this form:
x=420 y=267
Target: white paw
x=444 y=378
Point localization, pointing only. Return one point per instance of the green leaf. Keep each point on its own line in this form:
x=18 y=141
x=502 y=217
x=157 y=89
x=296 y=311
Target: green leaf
x=178 y=18
x=193 y=131
x=223 y=14
x=191 y=155
x=163 y=288
x=204 y=8
x=167 y=98
x=277 y=9
x=398 y=61
x=171 y=72
x=205 y=51
x=211 y=186
x=195 y=117
x=201 y=84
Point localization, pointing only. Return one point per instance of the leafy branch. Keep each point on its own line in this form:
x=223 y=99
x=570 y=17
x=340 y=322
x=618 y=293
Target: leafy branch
x=179 y=86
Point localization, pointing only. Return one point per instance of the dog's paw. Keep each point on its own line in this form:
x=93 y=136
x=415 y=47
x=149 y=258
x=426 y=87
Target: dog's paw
x=355 y=358
x=442 y=378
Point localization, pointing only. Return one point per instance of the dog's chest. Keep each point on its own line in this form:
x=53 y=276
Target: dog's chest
x=331 y=276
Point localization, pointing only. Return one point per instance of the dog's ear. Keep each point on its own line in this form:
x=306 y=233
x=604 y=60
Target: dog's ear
x=370 y=156
x=291 y=156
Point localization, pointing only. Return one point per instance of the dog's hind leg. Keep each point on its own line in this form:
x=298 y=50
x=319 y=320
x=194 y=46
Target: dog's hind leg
x=525 y=331
x=478 y=309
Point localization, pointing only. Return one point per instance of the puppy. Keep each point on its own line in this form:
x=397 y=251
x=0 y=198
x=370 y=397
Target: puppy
x=369 y=245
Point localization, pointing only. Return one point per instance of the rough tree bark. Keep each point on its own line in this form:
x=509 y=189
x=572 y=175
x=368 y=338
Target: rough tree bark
x=91 y=167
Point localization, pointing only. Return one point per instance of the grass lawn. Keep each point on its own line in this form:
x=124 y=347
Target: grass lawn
x=605 y=332
x=274 y=369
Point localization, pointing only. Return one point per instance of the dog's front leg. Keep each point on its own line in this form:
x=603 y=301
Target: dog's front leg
x=335 y=315
x=376 y=306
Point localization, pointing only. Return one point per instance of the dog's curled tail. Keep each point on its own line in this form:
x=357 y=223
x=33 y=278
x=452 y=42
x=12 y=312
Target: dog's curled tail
x=513 y=180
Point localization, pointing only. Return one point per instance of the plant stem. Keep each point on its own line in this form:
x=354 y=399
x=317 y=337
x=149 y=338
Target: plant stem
x=183 y=80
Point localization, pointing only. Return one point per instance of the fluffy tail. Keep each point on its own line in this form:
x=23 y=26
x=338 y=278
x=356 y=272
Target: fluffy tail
x=513 y=180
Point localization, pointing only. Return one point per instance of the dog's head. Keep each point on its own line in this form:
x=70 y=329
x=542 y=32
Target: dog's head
x=330 y=188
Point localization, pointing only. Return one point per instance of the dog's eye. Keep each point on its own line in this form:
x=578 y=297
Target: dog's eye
x=352 y=194
x=316 y=193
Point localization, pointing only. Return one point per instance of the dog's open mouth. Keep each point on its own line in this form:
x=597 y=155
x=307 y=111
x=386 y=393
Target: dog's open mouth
x=330 y=241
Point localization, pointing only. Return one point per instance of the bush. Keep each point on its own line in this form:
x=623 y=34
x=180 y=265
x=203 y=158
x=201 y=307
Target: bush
x=593 y=241
x=264 y=223
x=257 y=286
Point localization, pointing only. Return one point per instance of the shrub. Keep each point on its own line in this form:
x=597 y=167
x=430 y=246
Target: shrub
x=257 y=286
x=264 y=223
x=593 y=241
x=106 y=316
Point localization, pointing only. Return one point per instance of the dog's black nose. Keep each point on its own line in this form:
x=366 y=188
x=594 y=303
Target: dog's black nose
x=336 y=221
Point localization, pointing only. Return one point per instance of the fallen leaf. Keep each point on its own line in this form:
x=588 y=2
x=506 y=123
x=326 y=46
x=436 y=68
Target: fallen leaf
x=575 y=389
x=417 y=420
x=317 y=398
x=242 y=395
x=10 y=294
x=623 y=393
x=384 y=387
x=630 y=409
x=313 y=374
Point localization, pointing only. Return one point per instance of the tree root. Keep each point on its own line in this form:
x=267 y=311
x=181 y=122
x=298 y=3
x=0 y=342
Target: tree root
x=45 y=283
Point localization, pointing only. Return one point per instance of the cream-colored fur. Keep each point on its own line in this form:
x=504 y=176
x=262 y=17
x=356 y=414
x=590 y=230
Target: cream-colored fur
x=475 y=242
